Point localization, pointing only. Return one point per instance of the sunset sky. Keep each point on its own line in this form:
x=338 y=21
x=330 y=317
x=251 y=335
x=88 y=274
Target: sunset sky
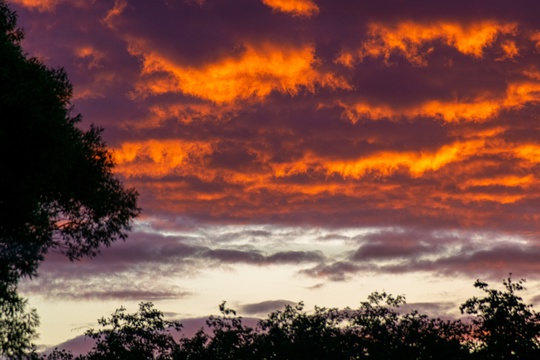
x=289 y=150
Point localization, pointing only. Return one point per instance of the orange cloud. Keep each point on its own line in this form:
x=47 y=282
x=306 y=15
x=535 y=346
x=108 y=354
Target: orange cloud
x=99 y=78
x=414 y=40
x=536 y=38
x=529 y=152
x=295 y=7
x=91 y=54
x=118 y=8
x=417 y=163
x=482 y=197
x=41 y=5
x=508 y=181
x=97 y=88
x=532 y=73
x=383 y=163
x=478 y=109
x=253 y=74
x=159 y=158
x=466 y=171
x=519 y=94
x=510 y=50
x=155 y=158
x=183 y=113
x=46 y=5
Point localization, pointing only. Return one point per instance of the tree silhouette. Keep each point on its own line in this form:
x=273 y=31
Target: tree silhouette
x=144 y=335
x=504 y=326
x=293 y=334
x=57 y=188
x=230 y=339
x=17 y=325
x=385 y=333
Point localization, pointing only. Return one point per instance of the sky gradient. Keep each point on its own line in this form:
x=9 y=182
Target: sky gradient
x=300 y=150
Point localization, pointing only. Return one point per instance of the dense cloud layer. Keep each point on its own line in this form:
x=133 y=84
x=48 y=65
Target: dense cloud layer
x=405 y=132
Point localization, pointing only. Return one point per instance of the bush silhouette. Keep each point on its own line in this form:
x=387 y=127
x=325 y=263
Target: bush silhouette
x=500 y=326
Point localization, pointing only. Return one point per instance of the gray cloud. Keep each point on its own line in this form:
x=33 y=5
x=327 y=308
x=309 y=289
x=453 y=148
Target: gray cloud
x=113 y=287
x=444 y=310
x=141 y=267
x=338 y=271
x=264 y=307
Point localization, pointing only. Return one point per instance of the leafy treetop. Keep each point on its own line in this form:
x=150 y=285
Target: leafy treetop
x=501 y=327
x=57 y=189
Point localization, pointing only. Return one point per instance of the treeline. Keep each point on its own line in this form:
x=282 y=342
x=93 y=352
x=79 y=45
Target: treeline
x=498 y=325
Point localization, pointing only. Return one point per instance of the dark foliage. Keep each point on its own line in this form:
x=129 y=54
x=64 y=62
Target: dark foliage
x=144 y=335
x=501 y=327
x=17 y=325
x=504 y=327
x=387 y=334
x=230 y=339
x=57 y=188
